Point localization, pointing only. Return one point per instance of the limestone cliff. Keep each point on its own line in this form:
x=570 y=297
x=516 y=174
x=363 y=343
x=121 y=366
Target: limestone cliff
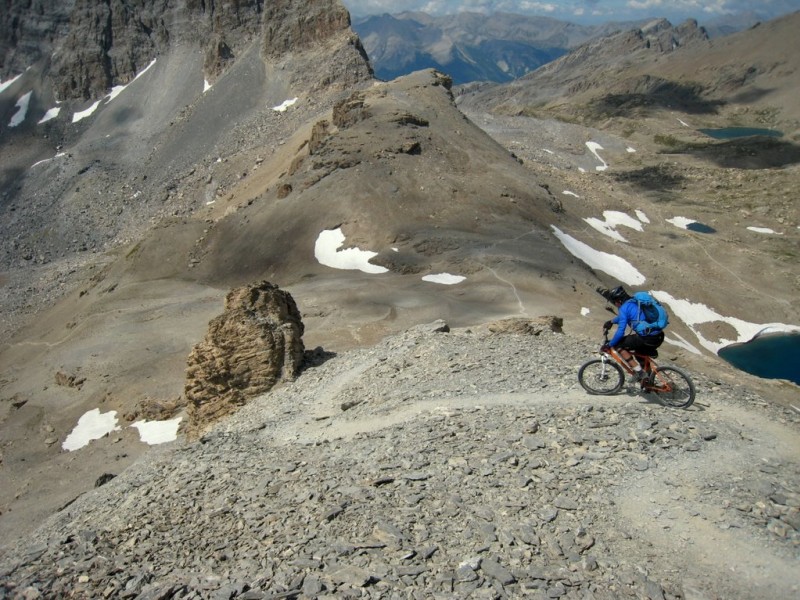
x=88 y=46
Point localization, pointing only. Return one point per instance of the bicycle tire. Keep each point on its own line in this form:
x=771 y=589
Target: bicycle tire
x=674 y=387
x=601 y=377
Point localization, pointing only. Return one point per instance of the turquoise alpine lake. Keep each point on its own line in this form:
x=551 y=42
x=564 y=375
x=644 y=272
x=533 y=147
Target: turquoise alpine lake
x=729 y=133
x=772 y=356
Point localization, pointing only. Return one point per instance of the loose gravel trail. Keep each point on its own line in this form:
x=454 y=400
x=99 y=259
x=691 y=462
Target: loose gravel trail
x=460 y=464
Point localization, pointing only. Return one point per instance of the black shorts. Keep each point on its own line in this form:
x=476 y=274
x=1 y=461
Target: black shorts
x=643 y=344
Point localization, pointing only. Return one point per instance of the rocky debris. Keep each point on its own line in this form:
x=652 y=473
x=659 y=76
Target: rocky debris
x=523 y=326
x=254 y=344
x=69 y=380
x=156 y=409
x=499 y=482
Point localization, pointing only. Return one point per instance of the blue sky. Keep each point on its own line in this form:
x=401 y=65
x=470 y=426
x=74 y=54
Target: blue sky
x=586 y=11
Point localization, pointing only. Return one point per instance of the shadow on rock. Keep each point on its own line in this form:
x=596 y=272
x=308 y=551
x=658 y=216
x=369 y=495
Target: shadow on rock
x=757 y=152
x=654 y=93
x=316 y=358
x=661 y=178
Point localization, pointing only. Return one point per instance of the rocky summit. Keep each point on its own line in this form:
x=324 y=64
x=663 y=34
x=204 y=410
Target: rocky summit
x=443 y=464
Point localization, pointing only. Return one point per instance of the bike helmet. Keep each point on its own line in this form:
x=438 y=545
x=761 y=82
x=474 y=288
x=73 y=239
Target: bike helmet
x=618 y=294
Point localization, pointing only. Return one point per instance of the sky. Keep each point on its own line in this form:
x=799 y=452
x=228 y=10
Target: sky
x=586 y=11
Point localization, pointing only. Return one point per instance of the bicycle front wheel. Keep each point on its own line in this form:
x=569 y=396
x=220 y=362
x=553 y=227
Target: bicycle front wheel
x=674 y=387
x=602 y=377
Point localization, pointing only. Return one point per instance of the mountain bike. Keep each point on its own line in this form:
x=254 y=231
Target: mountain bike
x=606 y=376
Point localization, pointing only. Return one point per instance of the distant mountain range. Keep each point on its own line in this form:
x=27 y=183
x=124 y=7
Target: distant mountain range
x=474 y=47
x=471 y=46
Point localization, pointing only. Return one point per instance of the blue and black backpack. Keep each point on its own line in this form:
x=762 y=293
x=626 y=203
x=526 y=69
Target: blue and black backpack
x=652 y=316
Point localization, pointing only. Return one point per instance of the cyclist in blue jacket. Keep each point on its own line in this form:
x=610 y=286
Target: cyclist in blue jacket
x=628 y=314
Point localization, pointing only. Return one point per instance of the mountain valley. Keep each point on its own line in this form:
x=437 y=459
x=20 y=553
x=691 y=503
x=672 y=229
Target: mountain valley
x=195 y=160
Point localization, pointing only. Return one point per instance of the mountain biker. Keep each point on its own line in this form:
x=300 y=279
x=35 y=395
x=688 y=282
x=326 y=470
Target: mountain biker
x=627 y=316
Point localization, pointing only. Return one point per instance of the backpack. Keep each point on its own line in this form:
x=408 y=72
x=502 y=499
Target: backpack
x=653 y=317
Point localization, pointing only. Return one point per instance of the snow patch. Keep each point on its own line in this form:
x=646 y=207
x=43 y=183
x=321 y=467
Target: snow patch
x=326 y=251
x=611 y=264
x=91 y=426
x=115 y=91
x=50 y=115
x=22 y=110
x=41 y=162
x=6 y=84
x=612 y=220
x=444 y=278
x=681 y=222
x=158 y=432
x=682 y=343
x=593 y=148
x=284 y=105
x=694 y=314
x=80 y=115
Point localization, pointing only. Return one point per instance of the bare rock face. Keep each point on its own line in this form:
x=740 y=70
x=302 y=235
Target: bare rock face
x=523 y=326
x=92 y=45
x=254 y=344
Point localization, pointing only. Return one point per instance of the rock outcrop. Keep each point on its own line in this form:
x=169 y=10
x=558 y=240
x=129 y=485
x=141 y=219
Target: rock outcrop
x=254 y=344
x=91 y=46
x=524 y=326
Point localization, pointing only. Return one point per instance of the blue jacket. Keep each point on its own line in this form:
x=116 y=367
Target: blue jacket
x=629 y=315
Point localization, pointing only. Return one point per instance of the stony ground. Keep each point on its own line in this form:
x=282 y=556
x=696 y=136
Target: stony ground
x=443 y=465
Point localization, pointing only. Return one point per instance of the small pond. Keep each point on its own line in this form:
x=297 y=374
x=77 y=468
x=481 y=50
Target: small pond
x=772 y=356
x=729 y=133
x=700 y=227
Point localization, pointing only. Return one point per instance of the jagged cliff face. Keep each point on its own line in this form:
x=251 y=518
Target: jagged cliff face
x=88 y=46
x=65 y=56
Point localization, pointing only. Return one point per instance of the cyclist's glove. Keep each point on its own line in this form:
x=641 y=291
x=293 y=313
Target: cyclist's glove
x=607 y=325
x=605 y=348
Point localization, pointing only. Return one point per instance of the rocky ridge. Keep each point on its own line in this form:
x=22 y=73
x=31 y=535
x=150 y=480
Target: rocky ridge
x=443 y=464
x=89 y=47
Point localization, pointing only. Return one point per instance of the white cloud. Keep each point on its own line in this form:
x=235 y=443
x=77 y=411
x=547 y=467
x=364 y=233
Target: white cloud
x=585 y=11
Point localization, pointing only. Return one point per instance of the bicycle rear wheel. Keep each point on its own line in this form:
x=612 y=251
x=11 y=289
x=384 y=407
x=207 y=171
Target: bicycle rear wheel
x=602 y=377
x=674 y=387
